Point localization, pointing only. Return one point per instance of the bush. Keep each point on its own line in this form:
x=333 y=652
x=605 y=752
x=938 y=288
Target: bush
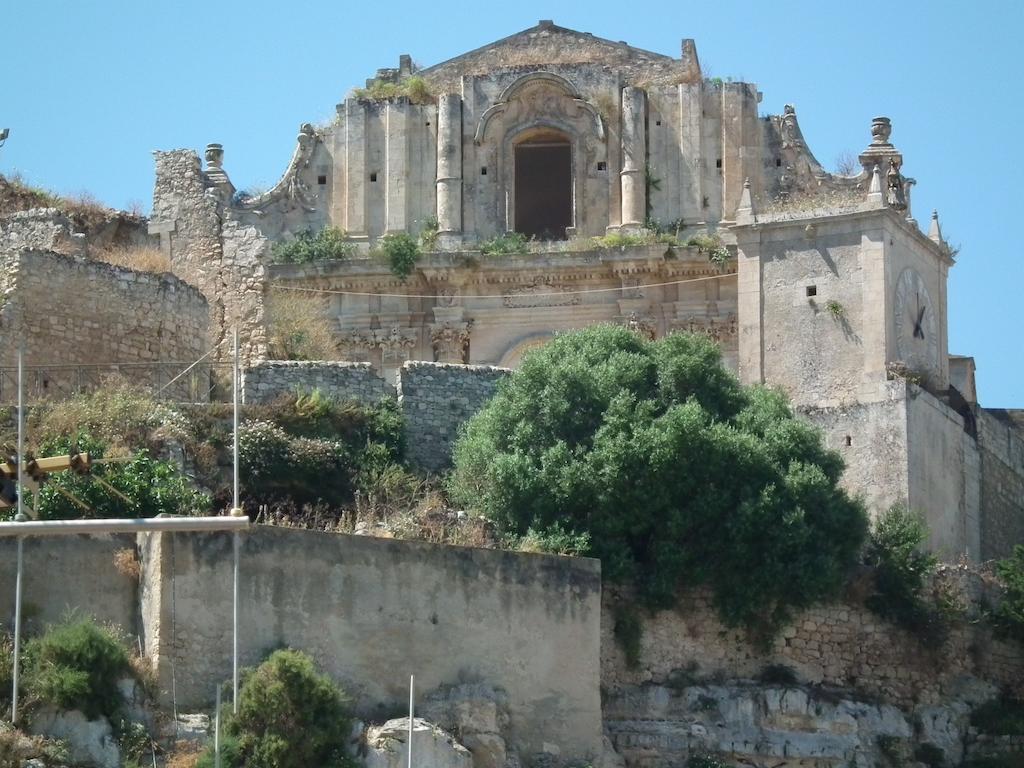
x=1009 y=616
x=505 y=245
x=711 y=246
x=676 y=472
x=329 y=244
x=299 y=327
x=1003 y=716
x=430 y=233
x=76 y=665
x=272 y=463
x=401 y=251
x=414 y=88
x=289 y=716
x=140 y=487
x=930 y=755
x=902 y=570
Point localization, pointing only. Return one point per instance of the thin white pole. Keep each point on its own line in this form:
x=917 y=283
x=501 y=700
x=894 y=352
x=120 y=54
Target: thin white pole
x=234 y=390
x=412 y=682
x=19 y=519
x=17 y=635
x=234 y=632
x=216 y=732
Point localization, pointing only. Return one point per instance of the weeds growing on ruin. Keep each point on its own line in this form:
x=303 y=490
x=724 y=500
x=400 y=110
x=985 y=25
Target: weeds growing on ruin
x=329 y=244
x=299 y=327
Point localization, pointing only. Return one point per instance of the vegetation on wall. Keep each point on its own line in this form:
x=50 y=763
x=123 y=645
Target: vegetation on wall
x=508 y=244
x=590 y=434
x=401 y=252
x=329 y=244
x=1008 y=616
x=712 y=247
x=289 y=716
x=298 y=326
x=414 y=88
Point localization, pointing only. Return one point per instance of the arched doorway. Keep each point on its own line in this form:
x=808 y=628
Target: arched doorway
x=543 y=184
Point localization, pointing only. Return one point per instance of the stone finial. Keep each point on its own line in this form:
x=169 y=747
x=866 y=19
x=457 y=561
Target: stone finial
x=875 y=189
x=745 y=213
x=934 y=229
x=881 y=129
x=214 y=155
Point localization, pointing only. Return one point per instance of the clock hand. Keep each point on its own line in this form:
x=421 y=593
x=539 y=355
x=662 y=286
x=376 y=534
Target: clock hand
x=918 y=332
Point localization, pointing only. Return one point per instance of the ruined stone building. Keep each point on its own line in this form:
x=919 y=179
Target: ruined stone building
x=823 y=285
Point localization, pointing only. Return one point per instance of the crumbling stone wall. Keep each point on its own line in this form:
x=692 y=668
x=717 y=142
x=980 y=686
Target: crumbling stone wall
x=74 y=311
x=438 y=398
x=37 y=229
x=1001 y=445
x=338 y=380
x=840 y=645
x=212 y=251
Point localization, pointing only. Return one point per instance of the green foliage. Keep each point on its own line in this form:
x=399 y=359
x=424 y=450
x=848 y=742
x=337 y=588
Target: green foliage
x=507 y=244
x=429 y=235
x=134 y=742
x=329 y=244
x=312 y=447
x=677 y=472
x=553 y=540
x=706 y=760
x=902 y=570
x=930 y=755
x=614 y=240
x=711 y=245
x=414 y=88
x=6 y=666
x=1009 y=615
x=628 y=632
x=289 y=716
x=834 y=308
x=1003 y=716
x=401 y=251
x=76 y=665
x=142 y=486
x=230 y=754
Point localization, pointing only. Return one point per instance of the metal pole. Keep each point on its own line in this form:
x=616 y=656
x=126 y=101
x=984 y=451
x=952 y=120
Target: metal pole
x=412 y=681
x=234 y=388
x=17 y=635
x=216 y=732
x=19 y=518
x=234 y=633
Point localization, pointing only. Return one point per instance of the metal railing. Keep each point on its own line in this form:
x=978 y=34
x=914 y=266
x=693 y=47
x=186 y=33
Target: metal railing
x=205 y=382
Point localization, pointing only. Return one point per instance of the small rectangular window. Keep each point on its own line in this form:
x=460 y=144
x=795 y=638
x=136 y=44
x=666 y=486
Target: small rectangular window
x=602 y=165
x=657 y=122
x=483 y=171
x=849 y=441
x=778 y=162
x=812 y=290
x=718 y=163
x=373 y=177
x=321 y=179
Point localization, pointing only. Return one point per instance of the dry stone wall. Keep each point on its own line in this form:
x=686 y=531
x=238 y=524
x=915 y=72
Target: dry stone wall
x=74 y=311
x=1002 y=483
x=268 y=379
x=438 y=398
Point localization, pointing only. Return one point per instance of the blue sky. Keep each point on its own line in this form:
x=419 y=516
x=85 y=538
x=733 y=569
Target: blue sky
x=89 y=89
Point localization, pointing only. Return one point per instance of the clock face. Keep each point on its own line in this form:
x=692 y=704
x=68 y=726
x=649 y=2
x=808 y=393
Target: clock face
x=917 y=340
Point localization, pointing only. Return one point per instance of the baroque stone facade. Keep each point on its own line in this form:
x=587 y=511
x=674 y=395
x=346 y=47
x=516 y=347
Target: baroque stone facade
x=821 y=284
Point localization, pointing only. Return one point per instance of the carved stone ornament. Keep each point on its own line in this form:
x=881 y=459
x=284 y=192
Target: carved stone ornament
x=447 y=297
x=451 y=341
x=291 y=188
x=541 y=293
x=388 y=339
x=716 y=329
x=642 y=326
x=881 y=130
x=790 y=129
x=896 y=190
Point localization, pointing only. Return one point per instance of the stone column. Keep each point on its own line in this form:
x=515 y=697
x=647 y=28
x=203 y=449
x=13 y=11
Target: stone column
x=449 y=164
x=634 y=158
x=355 y=169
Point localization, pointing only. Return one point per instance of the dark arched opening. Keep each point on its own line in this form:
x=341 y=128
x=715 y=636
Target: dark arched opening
x=543 y=185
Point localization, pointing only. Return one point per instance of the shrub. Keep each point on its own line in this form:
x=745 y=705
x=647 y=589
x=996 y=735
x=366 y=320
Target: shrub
x=289 y=716
x=140 y=258
x=554 y=541
x=1003 y=716
x=591 y=434
x=139 y=487
x=902 y=570
x=711 y=245
x=930 y=755
x=329 y=244
x=401 y=251
x=299 y=327
x=273 y=463
x=429 y=235
x=1009 y=615
x=507 y=244
x=76 y=665
x=414 y=88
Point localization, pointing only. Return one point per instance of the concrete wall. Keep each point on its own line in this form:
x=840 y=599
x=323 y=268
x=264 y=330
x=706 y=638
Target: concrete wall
x=64 y=573
x=374 y=611
x=437 y=399
x=75 y=311
x=1001 y=443
x=266 y=380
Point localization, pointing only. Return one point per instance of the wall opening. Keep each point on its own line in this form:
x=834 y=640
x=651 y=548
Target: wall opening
x=543 y=186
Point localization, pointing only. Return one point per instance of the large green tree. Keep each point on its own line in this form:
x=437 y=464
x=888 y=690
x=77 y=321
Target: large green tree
x=678 y=474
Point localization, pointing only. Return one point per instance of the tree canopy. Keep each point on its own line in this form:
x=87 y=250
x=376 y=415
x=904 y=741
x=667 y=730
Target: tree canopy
x=669 y=470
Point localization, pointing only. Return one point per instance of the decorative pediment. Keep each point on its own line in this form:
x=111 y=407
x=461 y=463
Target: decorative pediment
x=541 y=293
x=537 y=98
x=291 y=188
